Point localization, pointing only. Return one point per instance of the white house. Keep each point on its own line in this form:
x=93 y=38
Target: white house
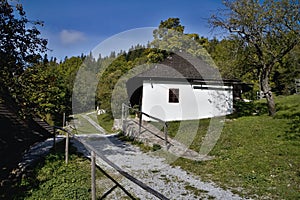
x=181 y=89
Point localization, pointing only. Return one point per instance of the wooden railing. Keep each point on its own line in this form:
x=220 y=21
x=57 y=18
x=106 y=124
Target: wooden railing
x=125 y=114
x=93 y=155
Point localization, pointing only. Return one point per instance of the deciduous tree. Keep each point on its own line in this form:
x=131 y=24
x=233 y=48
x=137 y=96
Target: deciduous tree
x=20 y=43
x=269 y=30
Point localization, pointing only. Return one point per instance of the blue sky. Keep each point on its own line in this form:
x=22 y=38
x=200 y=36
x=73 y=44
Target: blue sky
x=73 y=27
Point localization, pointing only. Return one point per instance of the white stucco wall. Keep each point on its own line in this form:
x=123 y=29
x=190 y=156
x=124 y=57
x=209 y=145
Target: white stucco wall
x=193 y=103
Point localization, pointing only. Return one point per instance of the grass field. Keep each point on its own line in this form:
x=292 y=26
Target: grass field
x=255 y=155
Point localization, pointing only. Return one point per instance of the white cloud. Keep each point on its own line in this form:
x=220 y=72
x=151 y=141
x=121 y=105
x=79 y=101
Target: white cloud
x=71 y=37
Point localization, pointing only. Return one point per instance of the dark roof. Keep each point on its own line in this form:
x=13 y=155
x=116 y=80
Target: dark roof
x=182 y=66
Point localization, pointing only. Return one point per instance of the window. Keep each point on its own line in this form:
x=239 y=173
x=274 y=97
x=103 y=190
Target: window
x=173 y=95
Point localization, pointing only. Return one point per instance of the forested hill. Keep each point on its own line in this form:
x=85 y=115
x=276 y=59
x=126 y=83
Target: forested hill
x=45 y=87
x=48 y=85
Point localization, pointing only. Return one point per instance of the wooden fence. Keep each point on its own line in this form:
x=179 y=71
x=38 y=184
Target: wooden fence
x=93 y=154
x=125 y=117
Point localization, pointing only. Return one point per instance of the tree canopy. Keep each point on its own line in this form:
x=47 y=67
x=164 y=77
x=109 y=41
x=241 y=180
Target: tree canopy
x=20 y=44
x=268 y=30
x=263 y=42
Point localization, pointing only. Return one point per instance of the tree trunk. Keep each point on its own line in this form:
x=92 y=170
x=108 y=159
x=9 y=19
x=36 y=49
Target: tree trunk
x=264 y=83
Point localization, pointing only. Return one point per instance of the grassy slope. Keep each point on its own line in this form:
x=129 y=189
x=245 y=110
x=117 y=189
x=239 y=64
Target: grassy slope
x=105 y=122
x=254 y=154
x=84 y=126
x=253 y=157
x=53 y=179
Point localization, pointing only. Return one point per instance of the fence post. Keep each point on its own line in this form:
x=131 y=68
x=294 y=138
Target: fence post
x=67 y=148
x=64 y=119
x=123 y=117
x=166 y=133
x=93 y=175
x=54 y=142
x=140 y=122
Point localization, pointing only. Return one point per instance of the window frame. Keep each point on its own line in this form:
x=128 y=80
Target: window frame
x=173 y=95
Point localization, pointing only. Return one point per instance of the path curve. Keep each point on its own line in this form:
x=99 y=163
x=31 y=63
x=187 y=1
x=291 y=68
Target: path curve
x=172 y=182
x=154 y=171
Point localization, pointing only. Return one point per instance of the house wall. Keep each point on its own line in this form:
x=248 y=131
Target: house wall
x=195 y=101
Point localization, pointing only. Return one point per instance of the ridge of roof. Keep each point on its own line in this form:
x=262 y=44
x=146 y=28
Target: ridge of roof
x=180 y=65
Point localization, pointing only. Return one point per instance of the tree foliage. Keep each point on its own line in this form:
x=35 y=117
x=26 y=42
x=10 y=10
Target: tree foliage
x=268 y=29
x=47 y=88
x=263 y=43
x=111 y=81
x=170 y=37
x=20 y=43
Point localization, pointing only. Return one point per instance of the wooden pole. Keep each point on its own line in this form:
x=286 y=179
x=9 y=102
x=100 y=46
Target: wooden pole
x=140 y=122
x=67 y=148
x=166 y=134
x=93 y=174
x=64 y=120
x=54 y=138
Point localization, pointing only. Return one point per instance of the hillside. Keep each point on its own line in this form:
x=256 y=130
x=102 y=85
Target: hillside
x=256 y=156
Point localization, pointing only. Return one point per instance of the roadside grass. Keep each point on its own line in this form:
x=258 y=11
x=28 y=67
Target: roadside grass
x=253 y=156
x=53 y=179
x=106 y=122
x=83 y=126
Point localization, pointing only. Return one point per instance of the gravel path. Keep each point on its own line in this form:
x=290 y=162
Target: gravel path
x=172 y=182
x=154 y=171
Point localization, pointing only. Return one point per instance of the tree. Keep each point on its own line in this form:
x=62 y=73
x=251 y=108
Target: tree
x=20 y=44
x=268 y=29
x=286 y=72
x=170 y=37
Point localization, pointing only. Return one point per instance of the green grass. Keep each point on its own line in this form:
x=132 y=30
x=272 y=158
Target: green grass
x=106 y=122
x=253 y=156
x=53 y=179
x=84 y=126
x=288 y=106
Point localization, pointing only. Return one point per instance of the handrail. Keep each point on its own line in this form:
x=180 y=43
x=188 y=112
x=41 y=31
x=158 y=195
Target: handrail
x=160 y=120
x=113 y=165
x=67 y=141
x=62 y=129
x=155 y=118
x=123 y=173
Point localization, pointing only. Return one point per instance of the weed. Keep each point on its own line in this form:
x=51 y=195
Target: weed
x=156 y=147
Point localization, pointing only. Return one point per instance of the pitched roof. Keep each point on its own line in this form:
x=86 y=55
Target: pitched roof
x=182 y=66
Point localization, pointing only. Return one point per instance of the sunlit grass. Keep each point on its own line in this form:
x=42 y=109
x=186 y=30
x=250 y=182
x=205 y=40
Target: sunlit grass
x=252 y=156
x=83 y=126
